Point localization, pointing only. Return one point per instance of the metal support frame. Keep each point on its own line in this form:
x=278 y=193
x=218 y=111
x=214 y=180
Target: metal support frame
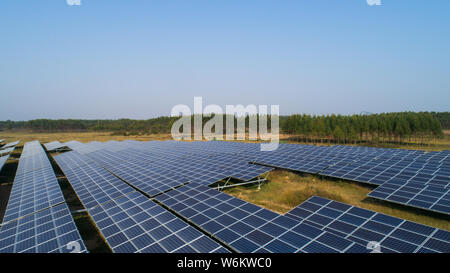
x=228 y=180
x=78 y=211
x=259 y=181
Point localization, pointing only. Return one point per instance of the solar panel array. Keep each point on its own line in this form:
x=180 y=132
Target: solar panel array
x=248 y=228
x=129 y=221
x=54 y=145
x=363 y=226
x=6 y=151
x=11 y=144
x=429 y=197
x=47 y=231
x=3 y=160
x=37 y=218
x=134 y=223
x=35 y=186
x=93 y=184
x=156 y=166
x=32 y=192
x=184 y=215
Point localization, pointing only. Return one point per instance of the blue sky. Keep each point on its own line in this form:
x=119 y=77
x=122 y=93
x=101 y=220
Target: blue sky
x=137 y=59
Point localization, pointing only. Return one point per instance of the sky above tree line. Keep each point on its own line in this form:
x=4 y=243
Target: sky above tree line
x=137 y=59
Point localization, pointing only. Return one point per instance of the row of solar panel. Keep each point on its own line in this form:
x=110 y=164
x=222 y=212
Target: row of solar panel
x=129 y=221
x=198 y=217
x=133 y=240
x=369 y=165
x=155 y=173
x=363 y=226
x=3 y=160
x=37 y=218
x=6 y=151
x=11 y=144
x=128 y=228
x=53 y=146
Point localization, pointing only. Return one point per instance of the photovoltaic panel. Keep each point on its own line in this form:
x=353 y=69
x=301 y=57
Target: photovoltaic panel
x=158 y=166
x=71 y=160
x=249 y=172
x=128 y=220
x=47 y=231
x=54 y=145
x=417 y=167
x=33 y=162
x=154 y=174
x=147 y=180
x=72 y=144
x=170 y=166
x=94 y=185
x=31 y=192
x=35 y=186
x=429 y=197
x=6 y=151
x=31 y=148
x=134 y=223
x=248 y=228
x=11 y=144
x=362 y=226
x=3 y=160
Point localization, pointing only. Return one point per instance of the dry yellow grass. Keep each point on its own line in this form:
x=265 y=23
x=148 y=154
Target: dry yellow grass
x=26 y=136
x=286 y=190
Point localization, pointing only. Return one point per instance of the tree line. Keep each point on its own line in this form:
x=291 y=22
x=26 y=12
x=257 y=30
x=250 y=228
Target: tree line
x=385 y=127
x=402 y=126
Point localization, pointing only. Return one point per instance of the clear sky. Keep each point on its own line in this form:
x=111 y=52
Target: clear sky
x=137 y=59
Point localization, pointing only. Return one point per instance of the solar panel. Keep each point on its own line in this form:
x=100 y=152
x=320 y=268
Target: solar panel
x=11 y=144
x=417 y=167
x=32 y=192
x=429 y=197
x=128 y=220
x=175 y=166
x=72 y=159
x=6 y=151
x=156 y=173
x=54 y=145
x=33 y=162
x=248 y=228
x=155 y=167
x=149 y=181
x=48 y=231
x=363 y=226
x=133 y=223
x=31 y=148
x=72 y=144
x=3 y=160
x=94 y=185
x=35 y=186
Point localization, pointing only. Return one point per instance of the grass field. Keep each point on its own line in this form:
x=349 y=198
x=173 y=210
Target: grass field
x=26 y=136
x=285 y=189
